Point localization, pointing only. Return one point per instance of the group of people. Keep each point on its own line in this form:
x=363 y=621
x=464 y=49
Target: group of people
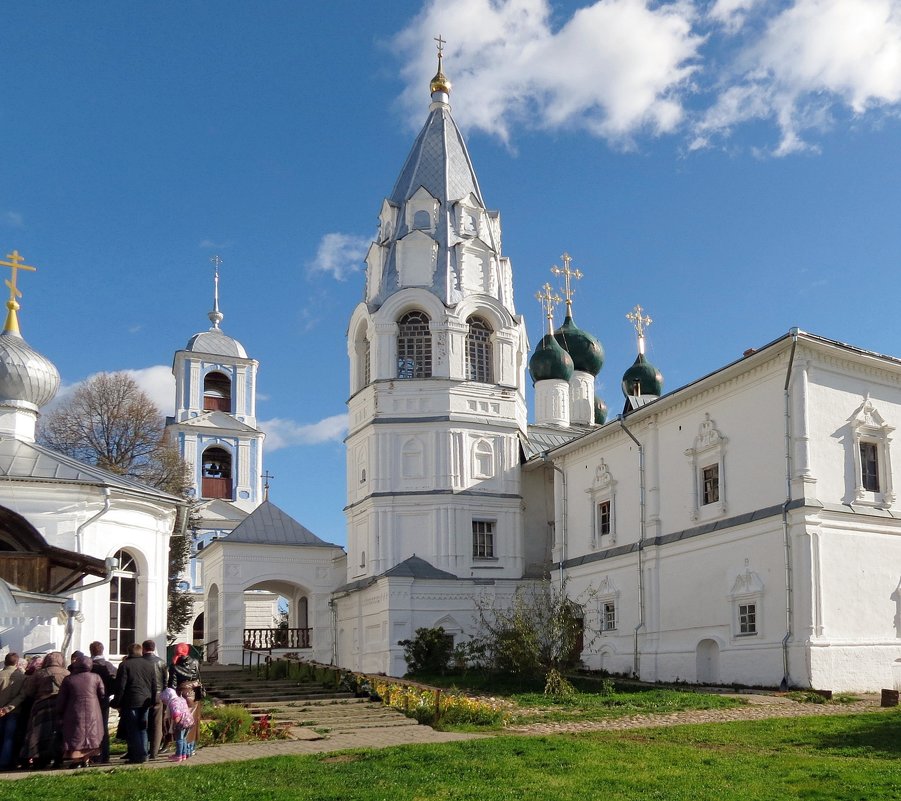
x=51 y=715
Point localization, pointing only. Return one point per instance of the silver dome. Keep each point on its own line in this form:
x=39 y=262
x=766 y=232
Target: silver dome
x=216 y=343
x=27 y=378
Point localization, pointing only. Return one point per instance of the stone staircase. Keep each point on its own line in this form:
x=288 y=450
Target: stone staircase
x=307 y=709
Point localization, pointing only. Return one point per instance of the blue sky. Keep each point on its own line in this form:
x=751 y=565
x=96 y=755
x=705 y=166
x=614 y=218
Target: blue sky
x=732 y=166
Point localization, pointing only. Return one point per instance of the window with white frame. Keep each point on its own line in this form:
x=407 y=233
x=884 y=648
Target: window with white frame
x=746 y=597
x=747 y=618
x=414 y=346
x=872 y=457
x=602 y=496
x=710 y=484
x=478 y=351
x=608 y=599
x=608 y=616
x=483 y=539
x=708 y=475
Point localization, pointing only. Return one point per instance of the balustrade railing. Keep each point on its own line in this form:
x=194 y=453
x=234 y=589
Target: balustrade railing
x=267 y=639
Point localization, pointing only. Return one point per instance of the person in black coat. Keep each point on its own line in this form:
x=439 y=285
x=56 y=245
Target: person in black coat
x=137 y=687
x=107 y=672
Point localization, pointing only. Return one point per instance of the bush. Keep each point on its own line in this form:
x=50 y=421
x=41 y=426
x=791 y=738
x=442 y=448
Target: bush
x=429 y=652
x=228 y=724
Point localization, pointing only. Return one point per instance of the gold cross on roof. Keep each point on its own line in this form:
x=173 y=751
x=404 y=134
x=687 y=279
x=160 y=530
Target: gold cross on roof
x=16 y=264
x=548 y=300
x=441 y=43
x=267 y=477
x=567 y=274
x=639 y=321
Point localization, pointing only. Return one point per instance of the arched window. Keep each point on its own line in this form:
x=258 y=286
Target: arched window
x=363 y=355
x=123 y=604
x=478 y=351
x=217 y=392
x=483 y=460
x=414 y=346
x=422 y=219
x=217 y=474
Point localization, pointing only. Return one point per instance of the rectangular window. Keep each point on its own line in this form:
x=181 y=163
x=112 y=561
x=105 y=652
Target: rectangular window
x=603 y=518
x=609 y=620
x=869 y=466
x=482 y=539
x=710 y=480
x=747 y=618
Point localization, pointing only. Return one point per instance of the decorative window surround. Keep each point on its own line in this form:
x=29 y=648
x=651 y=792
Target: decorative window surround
x=482 y=460
x=608 y=605
x=603 y=491
x=746 y=597
x=872 y=457
x=707 y=459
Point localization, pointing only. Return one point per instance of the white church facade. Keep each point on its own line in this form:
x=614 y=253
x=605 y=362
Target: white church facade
x=83 y=552
x=741 y=529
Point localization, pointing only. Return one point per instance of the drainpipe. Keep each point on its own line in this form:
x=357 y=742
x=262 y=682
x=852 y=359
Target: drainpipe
x=786 y=535
x=636 y=654
x=80 y=530
x=548 y=460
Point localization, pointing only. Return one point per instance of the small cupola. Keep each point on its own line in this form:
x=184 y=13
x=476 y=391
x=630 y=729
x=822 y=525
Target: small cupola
x=642 y=379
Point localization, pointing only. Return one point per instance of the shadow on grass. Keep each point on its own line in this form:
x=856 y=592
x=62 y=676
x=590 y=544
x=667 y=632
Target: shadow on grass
x=872 y=735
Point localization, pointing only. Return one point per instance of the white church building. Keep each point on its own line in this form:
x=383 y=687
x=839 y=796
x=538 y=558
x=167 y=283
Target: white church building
x=741 y=529
x=83 y=552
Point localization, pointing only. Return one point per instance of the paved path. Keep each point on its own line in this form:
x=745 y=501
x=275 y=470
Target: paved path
x=759 y=707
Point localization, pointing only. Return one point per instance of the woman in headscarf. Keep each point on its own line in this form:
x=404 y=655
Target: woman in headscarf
x=78 y=708
x=184 y=677
x=42 y=743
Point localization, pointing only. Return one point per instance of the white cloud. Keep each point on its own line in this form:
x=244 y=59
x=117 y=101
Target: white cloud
x=621 y=69
x=339 y=255
x=614 y=68
x=14 y=219
x=209 y=244
x=157 y=381
x=281 y=433
x=814 y=58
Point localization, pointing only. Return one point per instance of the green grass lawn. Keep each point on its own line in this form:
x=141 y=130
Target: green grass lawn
x=844 y=758
x=531 y=705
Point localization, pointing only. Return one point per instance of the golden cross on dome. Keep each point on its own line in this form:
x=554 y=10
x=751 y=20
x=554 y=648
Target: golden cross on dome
x=441 y=43
x=640 y=322
x=548 y=300
x=267 y=477
x=567 y=274
x=15 y=263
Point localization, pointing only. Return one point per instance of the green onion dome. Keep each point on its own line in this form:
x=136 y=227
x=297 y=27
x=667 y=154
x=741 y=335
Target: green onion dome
x=585 y=350
x=600 y=411
x=645 y=375
x=550 y=361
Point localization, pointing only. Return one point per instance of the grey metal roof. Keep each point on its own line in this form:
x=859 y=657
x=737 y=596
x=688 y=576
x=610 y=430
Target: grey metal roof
x=413 y=567
x=541 y=440
x=216 y=343
x=440 y=164
x=417 y=568
x=30 y=461
x=269 y=525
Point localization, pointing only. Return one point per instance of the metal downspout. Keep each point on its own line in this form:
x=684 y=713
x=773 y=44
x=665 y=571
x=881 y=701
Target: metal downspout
x=636 y=654
x=80 y=530
x=786 y=535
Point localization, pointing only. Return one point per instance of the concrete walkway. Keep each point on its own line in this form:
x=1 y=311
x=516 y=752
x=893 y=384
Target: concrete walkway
x=759 y=707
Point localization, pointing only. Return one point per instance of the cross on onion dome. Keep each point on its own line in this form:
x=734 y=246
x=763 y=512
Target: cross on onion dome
x=567 y=274
x=548 y=300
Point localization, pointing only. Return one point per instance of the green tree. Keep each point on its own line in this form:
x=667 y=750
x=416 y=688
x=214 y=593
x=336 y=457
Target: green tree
x=537 y=633
x=108 y=421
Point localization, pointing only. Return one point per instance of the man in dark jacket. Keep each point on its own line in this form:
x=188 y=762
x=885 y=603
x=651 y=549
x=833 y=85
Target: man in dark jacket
x=136 y=690
x=107 y=672
x=155 y=718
